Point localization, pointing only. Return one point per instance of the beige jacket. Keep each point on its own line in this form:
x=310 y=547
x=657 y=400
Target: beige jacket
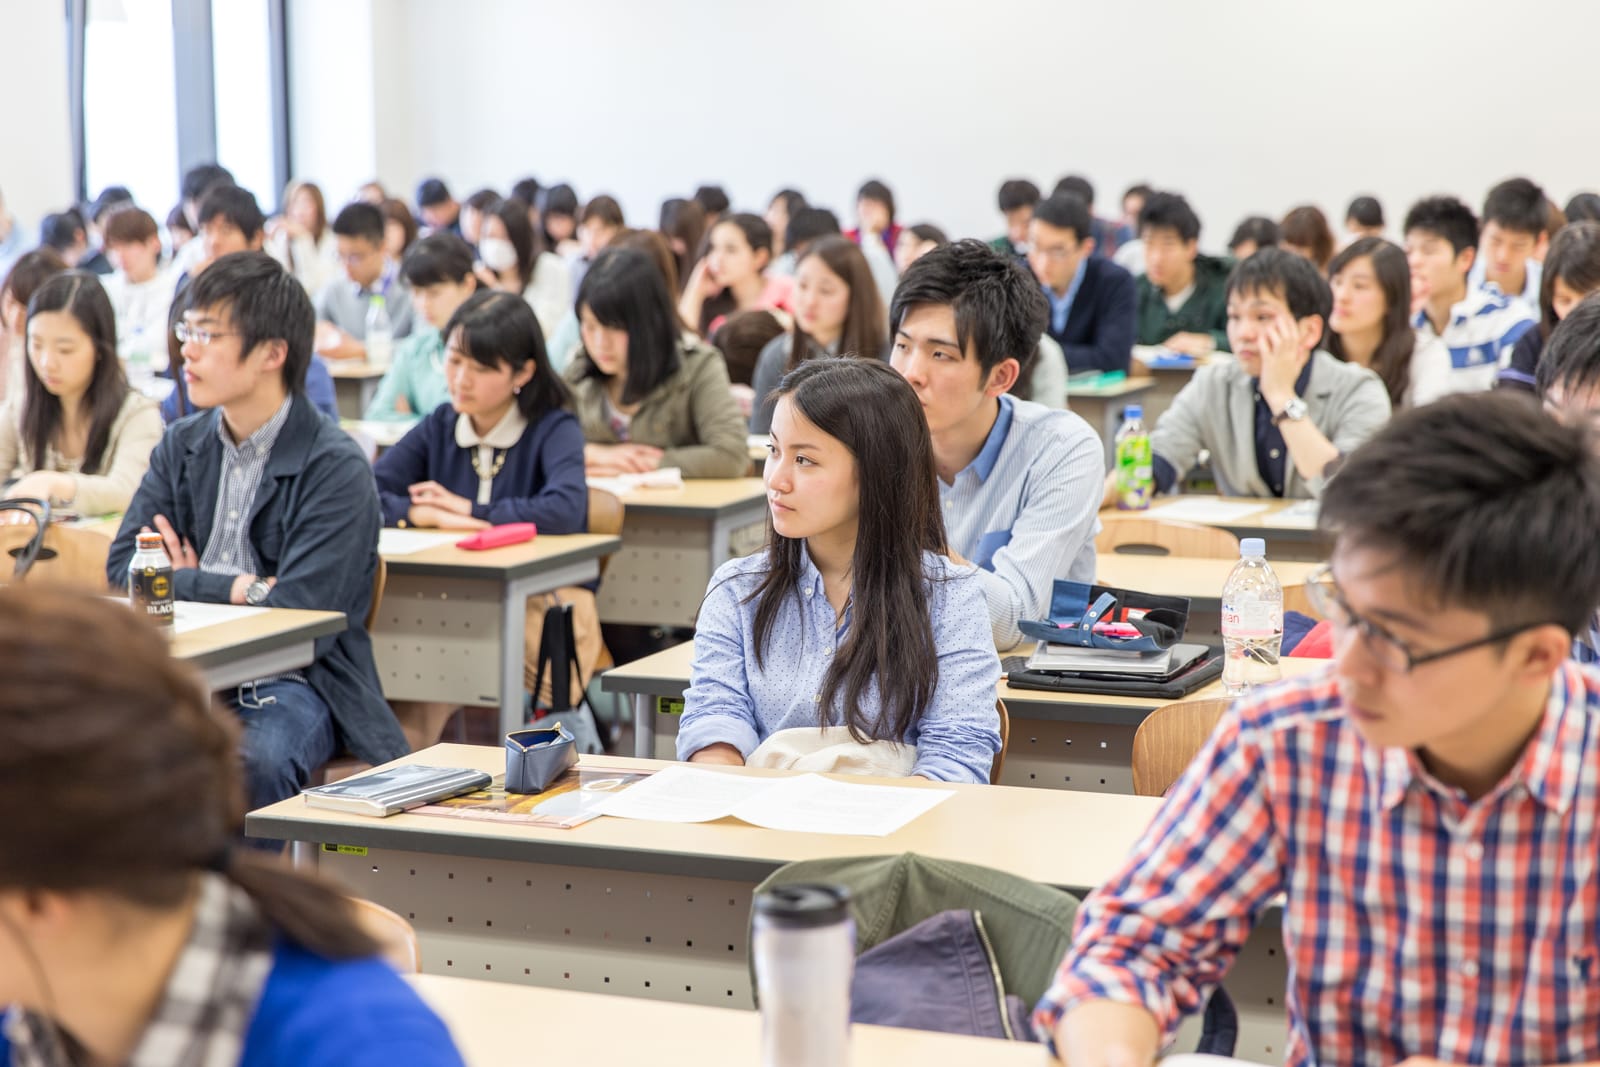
x=691 y=416
x=134 y=436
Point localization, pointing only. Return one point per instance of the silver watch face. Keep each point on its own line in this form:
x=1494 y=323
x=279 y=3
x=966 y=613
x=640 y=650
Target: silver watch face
x=1295 y=409
x=256 y=592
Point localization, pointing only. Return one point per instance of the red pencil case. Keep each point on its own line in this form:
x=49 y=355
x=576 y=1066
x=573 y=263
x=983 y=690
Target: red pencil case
x=512 y=533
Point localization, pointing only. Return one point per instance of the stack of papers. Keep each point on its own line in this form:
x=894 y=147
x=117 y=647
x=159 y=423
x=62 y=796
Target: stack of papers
x=806 y=803
x=392 y=542
x=623 y=484
x=188 y=616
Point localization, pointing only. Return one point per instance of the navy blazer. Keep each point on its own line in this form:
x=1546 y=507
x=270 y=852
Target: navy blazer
x=1100 y=326
x=313 y=526
x=541 y=481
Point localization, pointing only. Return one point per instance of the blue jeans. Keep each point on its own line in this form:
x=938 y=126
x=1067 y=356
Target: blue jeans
x=288 y=733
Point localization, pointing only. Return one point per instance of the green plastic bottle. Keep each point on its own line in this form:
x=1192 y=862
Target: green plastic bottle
x=1135 y=472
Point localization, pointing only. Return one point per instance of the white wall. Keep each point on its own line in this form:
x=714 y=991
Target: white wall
x=36 y=163
x=1247 y=106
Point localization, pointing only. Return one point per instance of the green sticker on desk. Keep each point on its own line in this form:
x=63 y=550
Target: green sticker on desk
x=669 y=705
x=345 y=850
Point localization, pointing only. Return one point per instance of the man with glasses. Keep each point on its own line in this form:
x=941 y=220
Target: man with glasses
x=262 y=501
x=1093 y=302
x=1426 y=808
x=369 y=274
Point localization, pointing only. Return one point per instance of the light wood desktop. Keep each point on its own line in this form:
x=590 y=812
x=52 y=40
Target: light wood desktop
x=1059 y=740
x=355 y=383
x=451 y=624
x=672 y=542
x=276 y=641
x=487 y=1021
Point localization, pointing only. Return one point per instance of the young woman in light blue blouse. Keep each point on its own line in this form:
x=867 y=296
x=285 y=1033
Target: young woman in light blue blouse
x=854 y=615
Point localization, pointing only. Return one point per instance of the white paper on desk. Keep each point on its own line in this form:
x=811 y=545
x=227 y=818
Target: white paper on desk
x=1205 y=509
x=623 y=484
x=191 y=615
x=392 y=542
x=1300 y=516
x=806 y=803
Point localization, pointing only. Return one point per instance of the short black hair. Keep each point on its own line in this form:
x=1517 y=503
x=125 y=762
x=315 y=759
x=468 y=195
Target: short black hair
x=431 y=191
x=483 y=201
x=875 y=190
x=1571 y=357
x=1583 y=206
x=808 y=224
x=233 y=205
x=998 y=305
x=1517 y=204
x=497 y=329
x=60 y=230
x=1170 y=211
x=110 y=198
x=437 y=259
x=1067 y=212
x=1482 y=498
x=527 y=190
x=927 y=231
x=360 y=219
x=712 y=198
x=793 y=200
x=560 y=199
x=1293 y=279
x=1075 y=185
x=1258 y=228
x=1018 y=192
x=1364 y=211
x=1447 y=217
x=198 y=179
x=263 y=302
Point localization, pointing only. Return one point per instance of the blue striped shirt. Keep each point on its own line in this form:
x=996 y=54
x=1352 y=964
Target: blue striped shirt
x=1484 y=327
x=1026 y=510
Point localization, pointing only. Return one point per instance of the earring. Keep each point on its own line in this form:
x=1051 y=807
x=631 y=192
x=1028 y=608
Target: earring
x=517 y=391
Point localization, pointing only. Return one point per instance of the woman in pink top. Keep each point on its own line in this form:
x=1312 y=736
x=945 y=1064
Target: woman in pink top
x=732 y=276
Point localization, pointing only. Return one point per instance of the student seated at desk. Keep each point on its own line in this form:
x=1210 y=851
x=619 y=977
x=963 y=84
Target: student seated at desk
x=1513 y=240
x=1571 y=272
x=1426 y=808
x=1181 y=301
x=854 y=615
x=78 y=435
x=132 y=930
x=836 y=312
x=647 y=394
x=1370 y=325
x=1276 y=417
x=263 y=501
x=1093 y=302
x=503 y=448
x=1019 y=484
x=438 y=271
x=370 y=275
x=733 y=275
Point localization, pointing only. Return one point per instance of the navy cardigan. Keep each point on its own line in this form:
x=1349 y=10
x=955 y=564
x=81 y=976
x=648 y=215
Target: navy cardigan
x=1100 y=326
x=541 y=482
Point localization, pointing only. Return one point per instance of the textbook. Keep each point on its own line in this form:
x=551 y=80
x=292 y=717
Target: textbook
x=1079 y=660
x=573 y=800
x=397 y=789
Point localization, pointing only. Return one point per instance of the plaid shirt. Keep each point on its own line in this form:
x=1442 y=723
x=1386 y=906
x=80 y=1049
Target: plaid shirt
x=1416 y=922
x=207 y=1006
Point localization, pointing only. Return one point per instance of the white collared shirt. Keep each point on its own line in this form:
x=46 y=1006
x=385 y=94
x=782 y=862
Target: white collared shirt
x=505 y=434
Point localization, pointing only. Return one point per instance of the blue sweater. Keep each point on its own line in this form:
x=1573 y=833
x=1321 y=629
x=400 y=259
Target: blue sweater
x=337 y=1013
x=542 y=481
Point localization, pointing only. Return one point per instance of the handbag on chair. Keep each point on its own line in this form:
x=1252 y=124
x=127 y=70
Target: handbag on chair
x=558 y=650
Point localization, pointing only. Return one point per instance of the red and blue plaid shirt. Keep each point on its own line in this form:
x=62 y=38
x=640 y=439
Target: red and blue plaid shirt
x=1415 y=922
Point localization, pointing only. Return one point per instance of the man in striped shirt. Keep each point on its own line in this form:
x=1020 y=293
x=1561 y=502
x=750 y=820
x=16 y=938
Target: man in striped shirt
x=1479 y=326
x=1020 y=484
x=1426 y=809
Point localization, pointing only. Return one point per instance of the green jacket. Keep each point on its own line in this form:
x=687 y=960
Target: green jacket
x=691 y=416
x=1206 y=310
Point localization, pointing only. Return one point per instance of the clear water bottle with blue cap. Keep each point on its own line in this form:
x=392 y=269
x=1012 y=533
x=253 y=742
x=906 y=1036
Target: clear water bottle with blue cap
x=1252 y=621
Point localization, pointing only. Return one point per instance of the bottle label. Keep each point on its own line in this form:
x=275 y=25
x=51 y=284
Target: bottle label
x=1252 y=618
x=1135 y=473
x=150 y=590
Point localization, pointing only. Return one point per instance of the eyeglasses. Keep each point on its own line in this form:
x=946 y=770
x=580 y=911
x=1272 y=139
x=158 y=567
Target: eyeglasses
x=187 y=334
x=1054 y=255
x=1393 y=653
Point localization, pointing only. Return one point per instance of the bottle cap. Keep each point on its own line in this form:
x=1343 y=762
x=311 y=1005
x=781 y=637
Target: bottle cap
x=804 y=905
x=1252 y=548
x=150 y=541
x=1133 y=411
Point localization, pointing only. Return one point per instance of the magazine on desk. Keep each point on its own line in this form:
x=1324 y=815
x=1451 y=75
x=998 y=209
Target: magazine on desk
x=573 y=800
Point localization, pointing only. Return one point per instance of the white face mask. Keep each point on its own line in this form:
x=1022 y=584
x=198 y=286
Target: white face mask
x=497 y=253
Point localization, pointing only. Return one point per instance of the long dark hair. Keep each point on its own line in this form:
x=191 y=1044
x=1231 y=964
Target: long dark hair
x=1574 y=259
x=1391 y=361
x=758 y=235
x=624 y=290
x=499 y=329
x=513 y=215
x=79 y=294
x=867 y=407
x=178 y=804
x=866 y=323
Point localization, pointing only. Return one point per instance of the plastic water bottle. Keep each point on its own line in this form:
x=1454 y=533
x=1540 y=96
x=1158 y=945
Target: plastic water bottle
x=1136 y=481
x=804 y=944
x=380 y=332
x=1252 y=621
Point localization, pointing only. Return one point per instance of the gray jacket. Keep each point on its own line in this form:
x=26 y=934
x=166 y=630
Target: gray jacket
x=1216 y=411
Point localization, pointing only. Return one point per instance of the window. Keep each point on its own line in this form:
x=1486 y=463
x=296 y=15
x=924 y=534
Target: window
x=129 y=101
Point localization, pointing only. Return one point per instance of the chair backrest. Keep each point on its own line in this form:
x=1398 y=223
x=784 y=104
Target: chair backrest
x=1005 y=740
x=605 y=517
x=1142 y=535
x=396 y=938
x=380 y=578
x=1166 y=742
x=71 y=557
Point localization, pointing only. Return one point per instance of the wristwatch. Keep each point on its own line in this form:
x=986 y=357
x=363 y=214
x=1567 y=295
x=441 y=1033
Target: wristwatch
x=1293 y=411
x=255 y=594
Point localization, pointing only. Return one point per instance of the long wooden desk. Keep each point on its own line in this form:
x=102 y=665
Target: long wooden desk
x=672 y=542
x=661 y=911
x=355 y=383
x=1288 y=526
x=451 y=624
x=235 y=651
x=485 y=1019
x=1076 y=741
